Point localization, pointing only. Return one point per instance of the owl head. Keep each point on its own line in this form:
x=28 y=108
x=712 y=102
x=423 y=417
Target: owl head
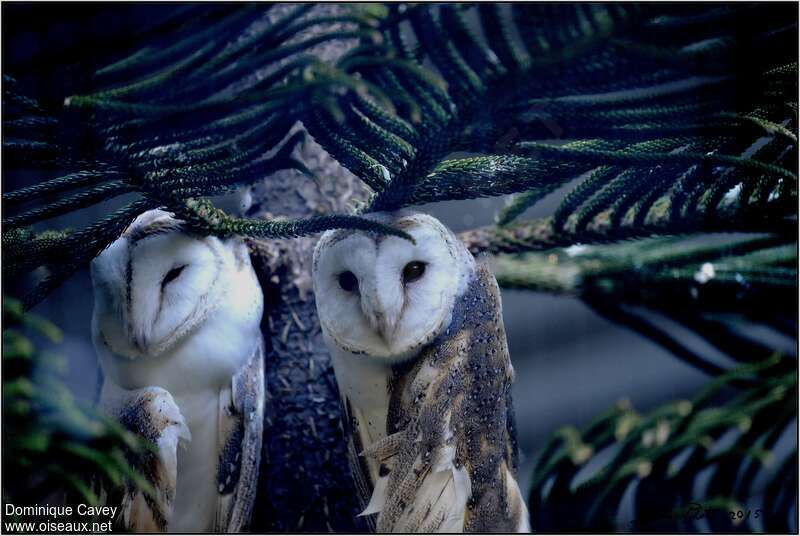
x=155 y=285
x=384 y=296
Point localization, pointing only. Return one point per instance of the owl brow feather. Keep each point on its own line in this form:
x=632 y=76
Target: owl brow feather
x=157 y=227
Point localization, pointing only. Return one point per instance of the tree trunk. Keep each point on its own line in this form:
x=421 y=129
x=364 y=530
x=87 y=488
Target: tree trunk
x=305 y=482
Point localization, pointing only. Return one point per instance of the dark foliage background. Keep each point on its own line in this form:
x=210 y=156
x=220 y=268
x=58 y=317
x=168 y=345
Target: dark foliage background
x=576 y=350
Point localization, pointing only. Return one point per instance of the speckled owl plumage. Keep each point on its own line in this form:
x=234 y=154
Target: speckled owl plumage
x=426 y=394
x=472 y=386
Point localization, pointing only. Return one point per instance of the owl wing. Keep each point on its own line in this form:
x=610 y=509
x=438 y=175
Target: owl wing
x=365 y=469
x=241 y=428
x=451 y=452
x=152 y=413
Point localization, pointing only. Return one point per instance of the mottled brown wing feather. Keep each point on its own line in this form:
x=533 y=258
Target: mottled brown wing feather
x=151 y=413
x=358 y=463
x=456 y=395
x=241 y=433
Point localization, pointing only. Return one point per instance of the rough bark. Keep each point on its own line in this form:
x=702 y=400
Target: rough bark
x=305 y=484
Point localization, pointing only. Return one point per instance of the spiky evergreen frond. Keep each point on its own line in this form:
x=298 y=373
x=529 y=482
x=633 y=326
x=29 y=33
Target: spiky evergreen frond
x=709 y=285
x=642 y=95
x=717 y=287
x=191 y=114
x=656 y=460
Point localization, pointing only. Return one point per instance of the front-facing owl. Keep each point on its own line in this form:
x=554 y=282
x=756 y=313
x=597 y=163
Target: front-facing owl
x=416 y=335
x=176 y=329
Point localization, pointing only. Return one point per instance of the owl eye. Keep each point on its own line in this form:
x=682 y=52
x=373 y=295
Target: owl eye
x=413 y=271
x=348 y=281
x=172 y=275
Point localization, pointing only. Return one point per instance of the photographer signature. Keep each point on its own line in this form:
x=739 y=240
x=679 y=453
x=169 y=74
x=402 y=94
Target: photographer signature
x=696 y=511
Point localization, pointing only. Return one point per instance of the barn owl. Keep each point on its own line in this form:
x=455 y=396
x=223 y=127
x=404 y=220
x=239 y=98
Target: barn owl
x=418 y=346
x=176 y=329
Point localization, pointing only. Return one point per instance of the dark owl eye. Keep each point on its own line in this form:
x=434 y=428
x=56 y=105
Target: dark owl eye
x=413 y=271
x=348 y=281
x=172 y=275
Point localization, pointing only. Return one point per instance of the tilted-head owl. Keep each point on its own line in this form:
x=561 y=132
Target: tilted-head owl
x=416 y=335
x=176 y=329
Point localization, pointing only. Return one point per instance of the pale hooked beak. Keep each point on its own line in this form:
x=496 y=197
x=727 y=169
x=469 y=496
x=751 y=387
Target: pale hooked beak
x=382 y=317
x=386 y=328
x=140 y=341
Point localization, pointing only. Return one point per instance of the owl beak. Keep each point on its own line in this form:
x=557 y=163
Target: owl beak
x=381 y=318
x=139 y=338
x=386 y=328
x=140 y=342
